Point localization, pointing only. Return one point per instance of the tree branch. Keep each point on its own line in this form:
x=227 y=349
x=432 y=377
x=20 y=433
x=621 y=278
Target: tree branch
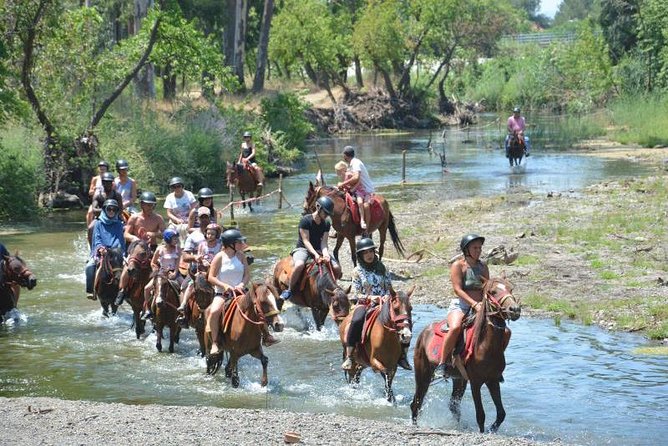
x=97 y=117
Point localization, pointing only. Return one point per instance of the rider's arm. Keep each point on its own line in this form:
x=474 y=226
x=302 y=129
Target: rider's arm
x=307 y=243
x=129 y=229
x=191 y=220
x=91 y=188
x=155 y=261
x=244 y=281
x=323 y=245
x=353 y=179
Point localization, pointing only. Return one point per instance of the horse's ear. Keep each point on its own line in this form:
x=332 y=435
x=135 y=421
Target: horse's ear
x=410 y=291
x=310 y=186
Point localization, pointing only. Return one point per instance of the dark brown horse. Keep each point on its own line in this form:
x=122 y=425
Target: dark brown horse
x=108 y=278
x=516 y=147
x=343 y=223
x=381 y=343
x=13 y=274
x=241 y=331
x=320 y=291
x=241 y=177
x=139 y=273
x=485 y=363
x=166 y=311
x=202 y=297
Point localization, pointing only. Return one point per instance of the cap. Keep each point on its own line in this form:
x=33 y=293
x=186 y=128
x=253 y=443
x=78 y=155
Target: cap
x=203 y=210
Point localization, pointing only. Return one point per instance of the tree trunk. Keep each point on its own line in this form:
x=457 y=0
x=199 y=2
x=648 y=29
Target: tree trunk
x=145 y=80
x=388 y=83
x=228 y=35
x=168 y=84
x=258 y=82
x=445 y=105
x=240 y=19
x=358 y=71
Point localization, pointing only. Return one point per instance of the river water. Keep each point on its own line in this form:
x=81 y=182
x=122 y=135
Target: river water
x=576 y=383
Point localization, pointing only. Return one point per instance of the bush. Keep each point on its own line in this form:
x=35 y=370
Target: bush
x=20 y=175
x=285 y=113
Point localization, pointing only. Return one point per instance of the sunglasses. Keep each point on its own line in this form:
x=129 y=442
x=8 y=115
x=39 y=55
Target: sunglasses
x=176 y=186
x=112 y=209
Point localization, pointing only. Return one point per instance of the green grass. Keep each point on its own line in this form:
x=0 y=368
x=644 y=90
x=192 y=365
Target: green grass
x=525 y=260
x=609 y=275
x=641 y=120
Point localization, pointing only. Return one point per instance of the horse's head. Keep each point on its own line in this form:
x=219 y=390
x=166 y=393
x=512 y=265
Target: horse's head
x=266 y=296
x=400 y=313
x=115 y=256
x=340 y=305
x=311 y=197
x=500 y=292
x=15 y=270
x=139 y=257
x=203 y=291
x=230 y=173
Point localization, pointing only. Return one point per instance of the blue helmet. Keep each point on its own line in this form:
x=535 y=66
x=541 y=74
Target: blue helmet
x=169 y=235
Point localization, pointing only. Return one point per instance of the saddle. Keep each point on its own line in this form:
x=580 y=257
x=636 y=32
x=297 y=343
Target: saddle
x=464 y=346
x=377 y=212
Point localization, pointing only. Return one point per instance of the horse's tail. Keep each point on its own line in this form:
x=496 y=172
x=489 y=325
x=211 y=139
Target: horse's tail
x=395 y=236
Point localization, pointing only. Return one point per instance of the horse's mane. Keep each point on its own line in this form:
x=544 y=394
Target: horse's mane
x=481 y=317
x=384 y=317
x=134 y=244
x=332 y=190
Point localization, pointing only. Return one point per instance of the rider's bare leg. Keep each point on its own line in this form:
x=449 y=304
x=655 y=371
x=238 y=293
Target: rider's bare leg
x=148 y=292
x=455 y=319
x=367 y=213
x=185 y=296
x=259 y=175
x=213 y=323
x=296 y=274
x=361 y=207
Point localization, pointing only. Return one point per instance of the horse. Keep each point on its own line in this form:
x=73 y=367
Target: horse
x=108 y=278
x=13 y=274
x=344 y=224
x=319 y=290
x=203 y=294
x=241 y=331
x=516 y=147
x=239 y=175
x=166 y=311
x=386 y=328
x=486 y=361
x=138 y=268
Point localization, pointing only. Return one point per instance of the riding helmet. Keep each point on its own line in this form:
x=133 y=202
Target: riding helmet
x=326 y=204
x=516 y=110
x=230 y=236
x=103 y=163
x=110 y=203
x=147 y=197
x=467 y=239
x=169 y=234
x=247 y=134
x=107 y=176
x=122 y=164
x=204 y=192
x=175 y=180
x=215 y=227
x=364 y=244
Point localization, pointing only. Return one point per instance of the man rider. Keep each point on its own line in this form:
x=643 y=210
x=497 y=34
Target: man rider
x=312 y=242
x=517 y=125
x=360 y=183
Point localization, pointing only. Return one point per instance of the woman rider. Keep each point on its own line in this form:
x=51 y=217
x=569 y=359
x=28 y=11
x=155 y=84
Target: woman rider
x=371 y=281
x=467 y=275
x=229 y=274
x=205 y=198
x=247 y=156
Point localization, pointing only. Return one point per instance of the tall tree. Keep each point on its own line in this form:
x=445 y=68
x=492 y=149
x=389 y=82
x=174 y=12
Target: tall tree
x=618 y=21
x=263 y=46
x=145 y=80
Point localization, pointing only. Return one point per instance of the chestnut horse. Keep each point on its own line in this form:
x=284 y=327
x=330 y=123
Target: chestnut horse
x=139 y=273
x=381 y=345
x=344 y=225
x=241 y=177
x=486 y=362
x=516 y=148
x=166 y=311
x=107 y=279
x=13 y=274
x=241 y=332
x=320 y=290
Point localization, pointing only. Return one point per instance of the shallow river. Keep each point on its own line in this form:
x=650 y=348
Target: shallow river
x=580 y=384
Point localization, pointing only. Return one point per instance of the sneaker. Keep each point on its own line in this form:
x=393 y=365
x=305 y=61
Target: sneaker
x=90 y=296
x=182 y=321
x=119 y=298
x=148 y=315
x=259 y=184
x=287 y=294
x=347 y=364
x=363 y=224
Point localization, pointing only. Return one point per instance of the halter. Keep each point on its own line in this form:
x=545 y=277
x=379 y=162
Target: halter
x=10 y=277
x=400 y=321
x=106 y=265
x=141 y=264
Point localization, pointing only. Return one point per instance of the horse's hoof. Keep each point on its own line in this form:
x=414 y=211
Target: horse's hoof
x=171 y=349
x=159 y=347
x=235 y=381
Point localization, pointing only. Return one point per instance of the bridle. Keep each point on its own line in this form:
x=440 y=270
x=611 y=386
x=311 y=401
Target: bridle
x=399 y=321
x=10 y=276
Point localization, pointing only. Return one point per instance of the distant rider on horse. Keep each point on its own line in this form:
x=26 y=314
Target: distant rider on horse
x=107 y=234
x=165 y=261
x=126 y=186
x=360 y=183
x=371 y=283
x=312 y=242
x=516 y=126
x=247 y=158
x=179 y=202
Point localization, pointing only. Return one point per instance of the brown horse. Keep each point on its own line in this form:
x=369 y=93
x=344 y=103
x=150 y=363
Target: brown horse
x=343 y=223
x=387 y=327
x=203 y=294
x=241 y=331
x=166 y=311
x=240 y=176
x=320 y=291
x=486 y=361
x=516 y=147
x=139 y=273
x=13 y=274
x=108 y=278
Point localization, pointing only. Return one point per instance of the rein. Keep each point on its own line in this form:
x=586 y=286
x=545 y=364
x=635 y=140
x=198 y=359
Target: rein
x=238 y=295
x=106 y=267
x=399 y=320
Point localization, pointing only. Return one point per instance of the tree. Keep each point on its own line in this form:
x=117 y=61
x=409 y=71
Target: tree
x=653 y=41
x=570 y=10
x=262 y=50
x=618 y=21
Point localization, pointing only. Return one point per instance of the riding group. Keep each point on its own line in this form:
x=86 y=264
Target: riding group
x=205 y=283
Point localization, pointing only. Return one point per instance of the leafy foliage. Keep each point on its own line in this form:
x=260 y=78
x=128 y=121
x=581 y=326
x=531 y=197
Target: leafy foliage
x=285 y=114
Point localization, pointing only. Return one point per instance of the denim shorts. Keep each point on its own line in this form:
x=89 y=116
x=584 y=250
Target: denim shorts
x=458 y=304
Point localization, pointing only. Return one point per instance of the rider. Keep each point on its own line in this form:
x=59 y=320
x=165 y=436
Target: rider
x=146 y=225
x=516 y=126
x=126 y=186
x=467 y=275
x=360 y=182
x=108 y=193
x=107 y=234
x=96 y=181
x=312 y=242
x=165 y=261
x=179 y=203
x=229 y=273
x=371 y=282
x=247 y=156
x=205 y=198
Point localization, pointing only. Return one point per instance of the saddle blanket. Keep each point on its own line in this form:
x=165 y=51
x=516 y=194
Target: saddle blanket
x=377 y=212
x=435 y=348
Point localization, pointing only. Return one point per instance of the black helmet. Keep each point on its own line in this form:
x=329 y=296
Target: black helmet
x=247 y=134
x=516 y=110
x=103 y=163
x=175 y=180
x=147 y=197
x=122 y=164
x=364 y=244
x=110 y=203
x=326 y=204
x=467 y=239
x=107 y=176
x=204 y=192
x=232 y=235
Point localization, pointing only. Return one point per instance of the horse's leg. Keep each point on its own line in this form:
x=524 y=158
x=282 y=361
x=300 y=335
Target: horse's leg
x=319 y=317
x=495 y=392
x=377 y=365
x=339 y=242
x=382 y=230
x=173 y=335
x=265 y=362
x=105 y=309
x=158 y=336
x=423 y=373
x=233 y=364
x=351 y=242
x=243 y=197
x=389 y=377
x=458 y=389
x=477 y=401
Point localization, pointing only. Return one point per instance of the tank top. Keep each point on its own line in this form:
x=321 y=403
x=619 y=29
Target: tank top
x=209 y=252
x=168 y=260
x=472 y=277
x=246 y=150
x=124 y=189
x=231 y=272
x=98 y=186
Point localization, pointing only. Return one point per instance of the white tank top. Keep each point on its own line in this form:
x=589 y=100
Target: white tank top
x=124 y=189
x=168 y=260
x=231 y=272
